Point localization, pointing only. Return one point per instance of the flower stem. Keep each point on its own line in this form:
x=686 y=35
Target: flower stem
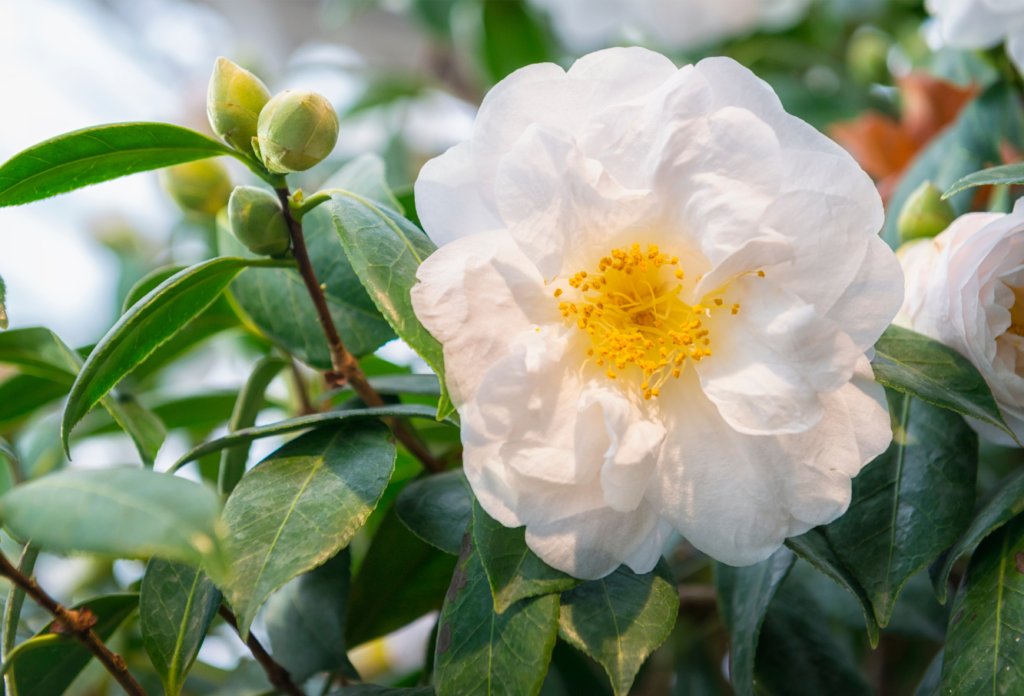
x=276 y=674
x=77 y=623
x=342 y=361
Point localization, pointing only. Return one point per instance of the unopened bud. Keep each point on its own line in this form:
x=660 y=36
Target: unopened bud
x=297 y=129
x=257 y=221
x=233 y=103
x=925 y=214
x=199 y=187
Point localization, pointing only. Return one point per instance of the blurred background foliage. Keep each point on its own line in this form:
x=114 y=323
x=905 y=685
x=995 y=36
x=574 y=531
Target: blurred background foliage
x=406 y=77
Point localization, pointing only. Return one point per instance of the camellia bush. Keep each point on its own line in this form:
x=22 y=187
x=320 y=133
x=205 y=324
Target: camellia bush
x=704 y=417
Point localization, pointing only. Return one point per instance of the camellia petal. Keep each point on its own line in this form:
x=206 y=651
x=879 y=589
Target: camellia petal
x=964 y=288
x=655 y=292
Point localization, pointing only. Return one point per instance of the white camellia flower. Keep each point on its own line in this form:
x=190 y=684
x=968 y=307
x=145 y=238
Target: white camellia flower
x=584 y=25
x=965 y=288
x=981 y=24
x=655 y=291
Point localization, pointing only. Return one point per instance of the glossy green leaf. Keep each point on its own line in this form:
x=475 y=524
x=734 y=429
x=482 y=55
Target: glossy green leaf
x=306 y=621
x=400 y=579
x=914 y=364
x=45 y=666
x=513 y=570
x=177 y=603
x=973 y=141
x=993 y=176
x=483 y=652
x=437 y=509
x=23 y=395
x=39 y=352
x=100 y=153
x=292 y=425
x=49 y=368
x=385 y=250
x=621 y=619
x=121 y=512
x=743 y=598
x=815 y=548
x=300 y=506
x=797 y=655
x=3 y=305
x=365 y=175
x=148 y=283
x=910 y=503
x=277 y=302
x=141 y=330
x=1003 y=504
x=984 y=653
x=199 y=414
x=247 y=407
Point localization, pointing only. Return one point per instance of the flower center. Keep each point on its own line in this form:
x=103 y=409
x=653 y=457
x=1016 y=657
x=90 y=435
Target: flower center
x=1017 y=312
x=630 y=309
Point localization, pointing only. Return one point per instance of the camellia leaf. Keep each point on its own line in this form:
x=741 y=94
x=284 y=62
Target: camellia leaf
x=385 y=250
x=397 y=385
x=3 y=305
x=177 y=603
x=914 y=364
x=247 y=407
x=300 y=506
x=513 y=570
x=400 y=579
x=121 y=512
x=150 y=322
x=48 y=663
x=375 y=690
x=437 y=509
x=993 y=176
x=292 y=425
x=984 y=653
x=910 y=503
x=49 y=368
x=367 y=176
x=743 y=598
x=1002 y=505
x=100 y=153
x=508 y=653
x=512 y=38
x=306 y=621
x=797 y=655
x=621 y=619
x=815 y=548
x=277 y=302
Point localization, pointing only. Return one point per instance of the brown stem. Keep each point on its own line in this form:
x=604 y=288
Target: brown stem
x=75 y=622
x=276 y=674
x=341 y=360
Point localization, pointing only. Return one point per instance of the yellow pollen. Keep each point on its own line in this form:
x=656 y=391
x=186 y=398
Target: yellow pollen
x=760 y=274
x=635 y=316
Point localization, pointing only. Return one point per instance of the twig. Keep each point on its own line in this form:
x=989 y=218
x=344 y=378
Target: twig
x=341 y=360
x=276 y=674
x=77 y=623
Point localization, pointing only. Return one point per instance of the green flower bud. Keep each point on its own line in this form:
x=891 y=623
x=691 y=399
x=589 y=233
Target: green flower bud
x=297 y=130
x=233 y=103
x=924 y=214
x=201 y=187
x=257 y=221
